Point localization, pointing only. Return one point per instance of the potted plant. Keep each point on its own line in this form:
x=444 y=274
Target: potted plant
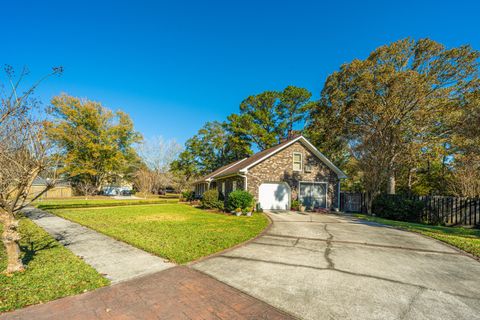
x=295 y=205
x=238 y=212
x=301 y=207
x=248 y=211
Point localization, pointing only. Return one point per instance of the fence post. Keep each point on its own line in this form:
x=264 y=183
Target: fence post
x=443 y=209
x=456 y=210
x=470 y=212
x=477 y=205
x=451 y=210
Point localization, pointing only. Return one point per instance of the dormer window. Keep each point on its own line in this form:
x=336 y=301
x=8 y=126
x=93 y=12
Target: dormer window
x=297 y=161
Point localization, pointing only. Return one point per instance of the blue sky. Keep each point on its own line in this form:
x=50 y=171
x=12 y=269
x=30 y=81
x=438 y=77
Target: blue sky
x=175 y=65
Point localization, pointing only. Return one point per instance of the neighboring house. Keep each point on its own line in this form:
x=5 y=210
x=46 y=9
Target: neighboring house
x=61 y=189
x=294 y=169
x=116 y=190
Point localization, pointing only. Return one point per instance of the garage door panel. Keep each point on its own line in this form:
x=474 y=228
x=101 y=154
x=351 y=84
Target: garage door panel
x=313 y=195
x=274 y=196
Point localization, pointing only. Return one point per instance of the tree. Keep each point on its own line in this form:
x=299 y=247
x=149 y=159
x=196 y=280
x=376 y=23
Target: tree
x=326 y=130
x=260 y=120
x=144 y=181
x=24 y=154
x=267 y=118
x=96 y=143
x=466 y=143
x=158 y=153
x=158 y=156
x=212 y=147
x=185 y=168
x=399 y=98
x=86 y=188
x=293 y=106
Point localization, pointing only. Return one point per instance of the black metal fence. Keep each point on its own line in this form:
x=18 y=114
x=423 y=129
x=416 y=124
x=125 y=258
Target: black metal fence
x=450 y=211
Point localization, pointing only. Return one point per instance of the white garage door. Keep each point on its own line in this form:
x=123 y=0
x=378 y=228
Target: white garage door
x=313 y=194
x=274 y=196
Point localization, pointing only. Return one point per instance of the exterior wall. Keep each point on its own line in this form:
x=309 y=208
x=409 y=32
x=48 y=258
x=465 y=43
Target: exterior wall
x=279 y=167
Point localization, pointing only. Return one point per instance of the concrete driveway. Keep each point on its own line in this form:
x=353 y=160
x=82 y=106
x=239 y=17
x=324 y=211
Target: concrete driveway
x=334 y=267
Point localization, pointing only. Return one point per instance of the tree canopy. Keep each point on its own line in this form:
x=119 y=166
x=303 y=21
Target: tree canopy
x=397 y=104
x=95 y=142
x=212 y=147
x=266 y=119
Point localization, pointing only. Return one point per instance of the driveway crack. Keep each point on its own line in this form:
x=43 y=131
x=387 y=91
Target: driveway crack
x=328 y=249
x=412 y=302
x=296 y=242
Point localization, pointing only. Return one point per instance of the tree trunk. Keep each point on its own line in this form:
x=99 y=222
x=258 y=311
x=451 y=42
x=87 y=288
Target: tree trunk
x=368 y=202
x=10 y=238
x=391 y=183
x=410 y=180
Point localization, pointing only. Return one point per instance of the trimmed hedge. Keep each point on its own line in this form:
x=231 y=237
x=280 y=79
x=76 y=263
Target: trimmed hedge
x=398 y=208
x=239 y=199
x=210 y=200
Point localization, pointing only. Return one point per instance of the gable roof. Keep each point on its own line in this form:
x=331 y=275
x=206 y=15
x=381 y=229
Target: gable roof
x=211 y=175
x=243 y=165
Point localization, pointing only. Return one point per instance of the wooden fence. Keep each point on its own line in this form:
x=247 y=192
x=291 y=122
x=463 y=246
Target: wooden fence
x=450 y=211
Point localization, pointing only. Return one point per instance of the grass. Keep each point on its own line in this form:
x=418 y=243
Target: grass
x=176 y=231
x=156 y=196
x=52 y=271
x=465 y=239
x=82 y=203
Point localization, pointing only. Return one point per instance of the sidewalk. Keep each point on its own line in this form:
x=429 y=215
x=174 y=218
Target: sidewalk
x=116 y=260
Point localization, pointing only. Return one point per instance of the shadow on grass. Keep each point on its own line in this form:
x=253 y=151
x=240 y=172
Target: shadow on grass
x=454 y=231
x=31 y=245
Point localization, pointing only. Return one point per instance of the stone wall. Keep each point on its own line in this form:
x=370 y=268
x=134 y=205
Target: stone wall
x=279 y=168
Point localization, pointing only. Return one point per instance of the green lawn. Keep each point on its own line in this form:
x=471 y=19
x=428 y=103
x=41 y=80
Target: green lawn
x=52 y=271
x=176 y=231
x=463 y=238
x=82 y=203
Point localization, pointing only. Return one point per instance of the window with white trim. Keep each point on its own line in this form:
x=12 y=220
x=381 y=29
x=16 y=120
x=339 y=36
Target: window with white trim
x=234 y=185
x=297 y=161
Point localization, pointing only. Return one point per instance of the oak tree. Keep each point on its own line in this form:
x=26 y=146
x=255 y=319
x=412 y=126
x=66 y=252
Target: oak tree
x=96 y=143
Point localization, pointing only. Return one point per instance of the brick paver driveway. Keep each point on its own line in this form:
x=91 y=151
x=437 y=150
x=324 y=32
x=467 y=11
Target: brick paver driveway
x=331 y=267
x=176 y=293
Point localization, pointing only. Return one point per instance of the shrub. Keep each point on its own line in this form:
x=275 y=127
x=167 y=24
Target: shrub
x=398 y=208
x=295 y=205
x=210 y=200
x=239 y=199
x=188 y=196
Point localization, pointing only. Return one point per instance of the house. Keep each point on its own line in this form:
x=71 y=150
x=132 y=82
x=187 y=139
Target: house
x=293 y=169
x=118 y=189
x=62 y=189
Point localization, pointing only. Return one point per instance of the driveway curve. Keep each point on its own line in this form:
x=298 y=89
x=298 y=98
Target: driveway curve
x=335 y=267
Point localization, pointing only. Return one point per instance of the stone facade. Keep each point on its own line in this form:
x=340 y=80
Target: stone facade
x=279 y=168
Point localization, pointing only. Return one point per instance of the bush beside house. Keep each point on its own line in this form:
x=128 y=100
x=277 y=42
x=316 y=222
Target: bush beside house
x=210 y=200
x=239 y=199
